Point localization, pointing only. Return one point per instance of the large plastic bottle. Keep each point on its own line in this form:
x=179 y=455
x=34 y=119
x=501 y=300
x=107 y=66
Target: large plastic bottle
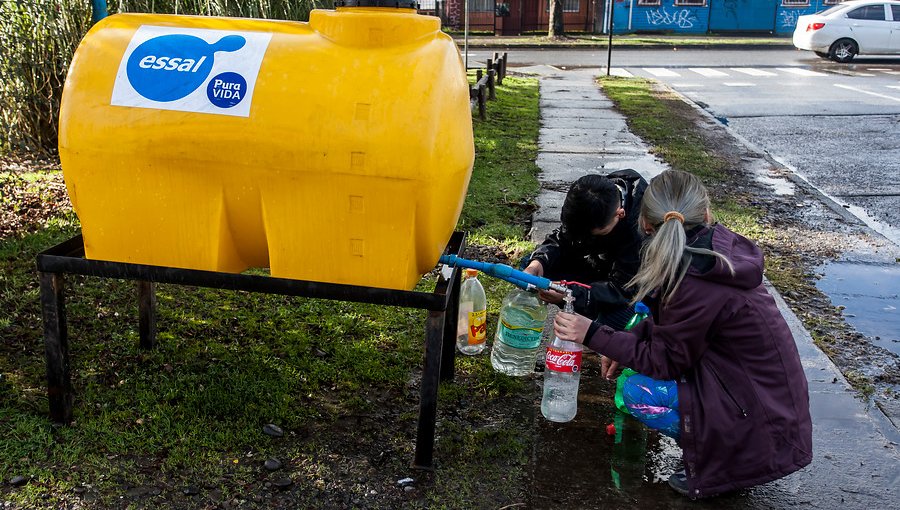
x=518 y=338
x=471 y=325
x=628 y=458
x=562 y=376
x=641 y=312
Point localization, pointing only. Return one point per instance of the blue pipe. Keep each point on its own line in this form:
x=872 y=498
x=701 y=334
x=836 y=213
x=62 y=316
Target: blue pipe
x=98 y=10
x=504 y=272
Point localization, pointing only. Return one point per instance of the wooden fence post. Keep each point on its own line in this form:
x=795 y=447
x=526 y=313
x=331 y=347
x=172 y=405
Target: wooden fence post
x=491 y=74
x=482 y=111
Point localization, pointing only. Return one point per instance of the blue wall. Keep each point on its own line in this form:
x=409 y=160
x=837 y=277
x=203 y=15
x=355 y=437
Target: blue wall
x=726 y=15
x=664 y=17
x=786 y=18
x=742 y=15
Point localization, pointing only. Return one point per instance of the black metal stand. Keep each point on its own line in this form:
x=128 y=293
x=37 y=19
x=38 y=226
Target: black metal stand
x=68 y=258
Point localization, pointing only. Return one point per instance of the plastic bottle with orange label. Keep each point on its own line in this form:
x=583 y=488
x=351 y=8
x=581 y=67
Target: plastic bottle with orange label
x=471 y=326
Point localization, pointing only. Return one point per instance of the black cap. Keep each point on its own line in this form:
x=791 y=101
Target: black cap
x=393 y=4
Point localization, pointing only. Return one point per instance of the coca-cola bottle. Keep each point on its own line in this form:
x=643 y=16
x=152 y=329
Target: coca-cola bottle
x=522 y=317
x=561 y=376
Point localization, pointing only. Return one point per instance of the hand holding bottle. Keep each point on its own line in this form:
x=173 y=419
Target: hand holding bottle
x=571 y=327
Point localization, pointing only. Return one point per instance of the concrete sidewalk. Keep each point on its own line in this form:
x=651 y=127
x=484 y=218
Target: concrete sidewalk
x=856 y=461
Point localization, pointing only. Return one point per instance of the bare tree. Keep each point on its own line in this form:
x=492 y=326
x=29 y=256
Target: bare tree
x=557 y=28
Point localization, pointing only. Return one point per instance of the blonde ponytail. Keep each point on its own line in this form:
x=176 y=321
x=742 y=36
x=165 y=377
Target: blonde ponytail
x=674 y=202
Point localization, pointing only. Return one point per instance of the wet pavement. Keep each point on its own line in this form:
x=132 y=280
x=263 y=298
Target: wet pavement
x=870 y=295
x=856 y=461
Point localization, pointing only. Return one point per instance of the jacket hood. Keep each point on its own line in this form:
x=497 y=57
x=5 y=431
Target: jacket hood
x=744 y=255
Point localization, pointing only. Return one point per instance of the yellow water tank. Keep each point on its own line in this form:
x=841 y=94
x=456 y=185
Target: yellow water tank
x=338 y=150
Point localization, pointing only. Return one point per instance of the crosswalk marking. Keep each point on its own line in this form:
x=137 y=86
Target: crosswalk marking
x=738 y=84
x=753 y=72
x=849 y=73
x=876 y=94
x=661 y=72
x=897 y=87
x=620 y=72
x=708 y=72
x=800 y=72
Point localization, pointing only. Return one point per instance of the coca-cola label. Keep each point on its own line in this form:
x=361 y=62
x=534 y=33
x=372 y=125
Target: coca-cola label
x=563 y=361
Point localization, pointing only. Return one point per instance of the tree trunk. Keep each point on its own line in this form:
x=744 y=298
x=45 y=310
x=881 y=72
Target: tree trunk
x=556 y=19
x=597 y=21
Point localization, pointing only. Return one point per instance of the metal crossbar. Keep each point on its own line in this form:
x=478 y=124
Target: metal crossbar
x=68 y=258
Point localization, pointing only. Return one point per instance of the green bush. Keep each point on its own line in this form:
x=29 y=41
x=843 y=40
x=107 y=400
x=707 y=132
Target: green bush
x=39 y=37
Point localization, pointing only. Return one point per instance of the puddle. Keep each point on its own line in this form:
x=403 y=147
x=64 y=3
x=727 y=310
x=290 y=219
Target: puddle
x=779 y=185
x=870 y=294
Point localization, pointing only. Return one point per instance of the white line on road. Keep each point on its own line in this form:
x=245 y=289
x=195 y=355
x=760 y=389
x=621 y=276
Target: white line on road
x=891 y=72
x=878 y=69
x=753 y=72
x=800 y=72
x=620 y=72
x=893 y=87
x=662 y=73
x=849 y=73
x=738 y=84
x=709 y=73
x=876 y=94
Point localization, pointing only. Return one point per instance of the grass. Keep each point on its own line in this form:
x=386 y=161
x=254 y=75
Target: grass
x=671 y=137
x=504 y=182
x=191 y=411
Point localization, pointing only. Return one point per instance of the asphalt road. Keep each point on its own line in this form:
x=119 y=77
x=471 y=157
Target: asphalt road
x=837 y=125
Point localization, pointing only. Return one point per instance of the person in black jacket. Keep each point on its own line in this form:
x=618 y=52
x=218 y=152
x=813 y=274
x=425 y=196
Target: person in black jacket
x=598 y=243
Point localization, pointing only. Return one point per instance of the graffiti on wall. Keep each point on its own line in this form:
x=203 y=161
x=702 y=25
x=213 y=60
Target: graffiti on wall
x=683 y=18
x=788 y=19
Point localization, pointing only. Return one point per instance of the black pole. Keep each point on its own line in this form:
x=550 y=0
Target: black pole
x=612 y=7
x=56 y=346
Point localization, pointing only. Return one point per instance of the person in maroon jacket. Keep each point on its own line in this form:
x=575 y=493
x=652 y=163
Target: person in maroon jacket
x=717 y=354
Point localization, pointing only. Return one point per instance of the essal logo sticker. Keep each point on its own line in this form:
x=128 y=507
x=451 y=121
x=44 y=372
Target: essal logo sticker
x=563 y=361
x=190 y=69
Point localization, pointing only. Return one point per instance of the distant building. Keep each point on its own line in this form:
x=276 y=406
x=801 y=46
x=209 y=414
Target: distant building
x=514 y=17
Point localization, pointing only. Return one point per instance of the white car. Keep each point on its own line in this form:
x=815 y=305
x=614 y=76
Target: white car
x=852 y=28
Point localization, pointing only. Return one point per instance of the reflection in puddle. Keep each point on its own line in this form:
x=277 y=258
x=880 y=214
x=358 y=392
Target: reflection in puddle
x=665 y=459
x=870 y=294
x=780 y=185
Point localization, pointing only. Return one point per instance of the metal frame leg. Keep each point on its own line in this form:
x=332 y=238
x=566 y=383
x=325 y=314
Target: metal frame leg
x=56 y=346
x=434 y=331
x=147 y=312
x=448 y=355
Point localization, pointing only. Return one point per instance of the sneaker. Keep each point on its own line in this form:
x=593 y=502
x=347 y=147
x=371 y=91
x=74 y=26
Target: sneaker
x=678 y=481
